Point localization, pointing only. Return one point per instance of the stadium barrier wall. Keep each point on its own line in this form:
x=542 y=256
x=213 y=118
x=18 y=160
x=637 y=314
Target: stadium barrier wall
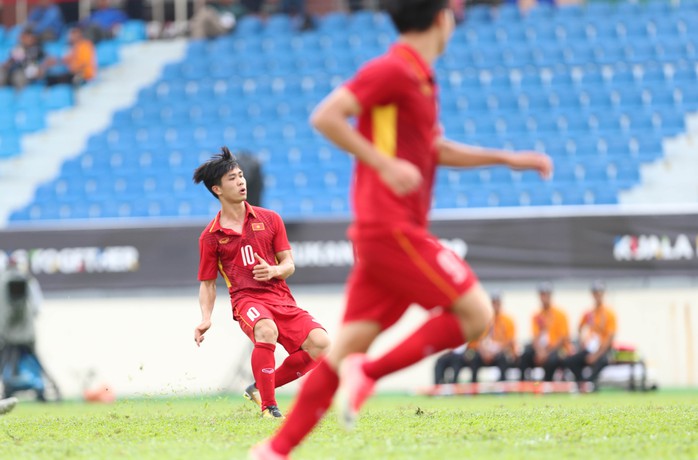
x=558 y=245
x=143 y=345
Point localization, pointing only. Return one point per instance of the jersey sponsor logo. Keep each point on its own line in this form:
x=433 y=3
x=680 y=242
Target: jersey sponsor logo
x=267 y=370
x=257 y=226
x=224 y=241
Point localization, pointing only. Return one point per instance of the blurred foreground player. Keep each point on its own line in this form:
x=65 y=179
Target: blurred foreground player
x=249 y=247
x=398 y=146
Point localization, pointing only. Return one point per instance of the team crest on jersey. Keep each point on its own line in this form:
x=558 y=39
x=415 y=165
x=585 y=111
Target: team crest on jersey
x=257 y=226
x=224 y=241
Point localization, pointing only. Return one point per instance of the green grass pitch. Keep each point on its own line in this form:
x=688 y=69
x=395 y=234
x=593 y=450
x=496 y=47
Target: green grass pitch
x=607 y=425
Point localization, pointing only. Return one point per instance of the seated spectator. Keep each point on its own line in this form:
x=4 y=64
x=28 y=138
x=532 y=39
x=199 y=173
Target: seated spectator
x=24 y=65
x=551 y=342
x=46 y=20
x=497 y=346
x=104 y=22
x=597 y=329
x=449 y=365
x=80 y=61
x=213 y=18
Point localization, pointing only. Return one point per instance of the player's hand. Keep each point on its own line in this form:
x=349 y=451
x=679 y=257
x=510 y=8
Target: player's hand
x=401 y=176
x=200 y=330
x=532 y=160
x=263 y=271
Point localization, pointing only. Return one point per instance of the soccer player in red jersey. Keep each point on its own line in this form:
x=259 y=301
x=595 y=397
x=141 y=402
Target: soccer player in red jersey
x=398 y=145
x=249 y=247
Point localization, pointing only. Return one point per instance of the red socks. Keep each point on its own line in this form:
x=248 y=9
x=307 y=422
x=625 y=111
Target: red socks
x=294 y=366
x=313 y=400
x=438 y=333
x=263 y=364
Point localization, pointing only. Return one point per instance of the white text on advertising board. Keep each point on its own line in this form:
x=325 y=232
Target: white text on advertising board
x=655 y=247
x=48 y=261
x=339 y=253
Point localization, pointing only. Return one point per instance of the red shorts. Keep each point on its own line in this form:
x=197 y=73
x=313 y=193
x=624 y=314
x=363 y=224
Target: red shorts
x=398 y=267
x=294 y=323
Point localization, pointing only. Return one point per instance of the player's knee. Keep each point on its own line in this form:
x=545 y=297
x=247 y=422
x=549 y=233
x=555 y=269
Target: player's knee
x=318 y=343
x=266 y=331
x=475 y=312
x=480 y=320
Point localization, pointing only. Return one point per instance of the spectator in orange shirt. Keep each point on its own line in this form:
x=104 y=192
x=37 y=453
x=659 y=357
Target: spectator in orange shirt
x=551 y=342
x=80 y=61
x=597 y=330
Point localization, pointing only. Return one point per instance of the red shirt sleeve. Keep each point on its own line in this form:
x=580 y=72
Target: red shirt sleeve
x=379 y=82
x=280 y=242
x=208 y=258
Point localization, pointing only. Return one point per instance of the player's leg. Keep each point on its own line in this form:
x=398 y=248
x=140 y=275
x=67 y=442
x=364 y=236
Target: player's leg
x=444 y=329
x=318 y=389
x=317 y=344
x=302 y=361
x=423 y=271
x=264 y=363
x=317 y=392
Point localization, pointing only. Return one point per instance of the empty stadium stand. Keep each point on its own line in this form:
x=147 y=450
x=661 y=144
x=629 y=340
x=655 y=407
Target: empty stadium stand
x=597 y=87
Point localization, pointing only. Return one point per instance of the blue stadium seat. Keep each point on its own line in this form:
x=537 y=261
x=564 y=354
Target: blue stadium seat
x=338 y=22
x=107 y=53
x=249 y=25
x=131 y=31
x=58 y=97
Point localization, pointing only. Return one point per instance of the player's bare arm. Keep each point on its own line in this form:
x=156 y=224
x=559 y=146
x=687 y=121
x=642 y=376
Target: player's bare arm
x=466 y=156
x=284 y=267
x=207 y=299
x=331 y=118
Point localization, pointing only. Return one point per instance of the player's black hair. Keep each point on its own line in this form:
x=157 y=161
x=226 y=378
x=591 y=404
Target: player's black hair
x=414 y=15
x=211 y=173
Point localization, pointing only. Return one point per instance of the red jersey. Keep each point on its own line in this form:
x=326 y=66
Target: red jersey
x=232 y=254
x=398 y=96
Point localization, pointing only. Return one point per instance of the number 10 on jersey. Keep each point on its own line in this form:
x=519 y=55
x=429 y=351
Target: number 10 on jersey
x=247 y=254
